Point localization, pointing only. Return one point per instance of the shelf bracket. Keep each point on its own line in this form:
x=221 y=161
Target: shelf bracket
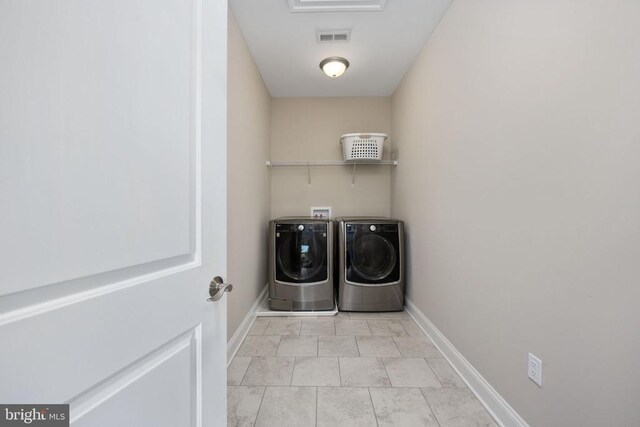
x=308 y=174
x=353 y=176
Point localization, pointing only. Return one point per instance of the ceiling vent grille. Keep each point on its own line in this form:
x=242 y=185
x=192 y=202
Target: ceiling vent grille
x=331 y=36
x=336 y=5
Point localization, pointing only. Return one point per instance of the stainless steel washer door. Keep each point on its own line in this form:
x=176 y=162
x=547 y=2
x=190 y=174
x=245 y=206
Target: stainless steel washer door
x=301 y=255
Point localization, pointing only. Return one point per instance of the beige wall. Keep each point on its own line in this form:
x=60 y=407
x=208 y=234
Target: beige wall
x=518 y=136
x=248 y=201
x=309 y=129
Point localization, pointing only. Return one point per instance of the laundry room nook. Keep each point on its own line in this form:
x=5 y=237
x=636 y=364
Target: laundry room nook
x=329 y=331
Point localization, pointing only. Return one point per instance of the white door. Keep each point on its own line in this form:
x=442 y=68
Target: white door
x=113 y=209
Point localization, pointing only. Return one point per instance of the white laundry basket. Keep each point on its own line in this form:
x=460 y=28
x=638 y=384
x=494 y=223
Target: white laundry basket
x=362 y=146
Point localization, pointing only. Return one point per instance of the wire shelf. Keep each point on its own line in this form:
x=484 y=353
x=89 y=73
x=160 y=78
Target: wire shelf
x=332 y=163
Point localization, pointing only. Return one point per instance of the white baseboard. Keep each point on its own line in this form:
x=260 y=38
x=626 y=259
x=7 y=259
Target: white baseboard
x=239 y=335
x=501 y=411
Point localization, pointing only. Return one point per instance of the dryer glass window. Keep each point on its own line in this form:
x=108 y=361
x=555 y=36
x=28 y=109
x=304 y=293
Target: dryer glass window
x=372 y=256
x=301 y=254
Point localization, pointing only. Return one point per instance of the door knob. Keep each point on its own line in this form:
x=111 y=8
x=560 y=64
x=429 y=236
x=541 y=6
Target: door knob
x=217 y=288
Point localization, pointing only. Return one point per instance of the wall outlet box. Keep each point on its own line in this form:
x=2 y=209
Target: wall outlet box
x=535 y=369
x=321 y=212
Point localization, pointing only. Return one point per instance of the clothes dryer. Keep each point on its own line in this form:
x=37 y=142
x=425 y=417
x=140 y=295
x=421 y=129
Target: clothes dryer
x=371 y=264
x=301 y=264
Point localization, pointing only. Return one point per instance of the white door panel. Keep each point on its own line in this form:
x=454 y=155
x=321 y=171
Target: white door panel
x=113 y=187
x=172 y=368
x=91 y=79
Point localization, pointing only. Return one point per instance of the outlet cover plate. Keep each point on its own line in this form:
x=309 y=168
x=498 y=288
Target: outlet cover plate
x=321 y=212
x=534 y=368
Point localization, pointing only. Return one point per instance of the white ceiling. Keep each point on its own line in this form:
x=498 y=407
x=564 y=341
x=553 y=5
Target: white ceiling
x=383 y=45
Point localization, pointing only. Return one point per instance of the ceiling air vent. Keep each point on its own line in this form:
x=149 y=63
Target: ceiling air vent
x=330 y=36
x=336 y=5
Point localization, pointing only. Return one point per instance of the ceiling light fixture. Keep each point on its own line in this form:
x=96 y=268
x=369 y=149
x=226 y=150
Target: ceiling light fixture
x=334 y=66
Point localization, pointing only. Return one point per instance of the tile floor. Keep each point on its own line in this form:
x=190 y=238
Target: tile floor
x=354 y=369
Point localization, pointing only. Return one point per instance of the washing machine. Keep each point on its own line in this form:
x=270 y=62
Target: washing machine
x=301 y=264
x=371 y=264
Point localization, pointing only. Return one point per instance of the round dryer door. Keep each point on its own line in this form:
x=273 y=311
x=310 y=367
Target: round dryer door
x=374 y=257
x=372 y=253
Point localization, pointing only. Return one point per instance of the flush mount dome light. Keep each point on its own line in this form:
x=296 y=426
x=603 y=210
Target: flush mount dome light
x=334 y=66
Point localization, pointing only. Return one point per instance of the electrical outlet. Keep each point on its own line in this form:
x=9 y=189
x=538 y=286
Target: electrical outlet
x=535 y=369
